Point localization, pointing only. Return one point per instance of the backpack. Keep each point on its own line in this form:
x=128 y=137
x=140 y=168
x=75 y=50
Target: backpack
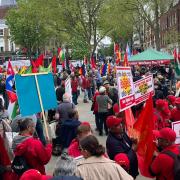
x=176 y=163
x=19 y=165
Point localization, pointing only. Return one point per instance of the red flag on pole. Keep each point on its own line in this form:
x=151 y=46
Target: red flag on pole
x=129 y=117
x=143 y=131
x=93 y=64
x=39 y=61
x=54 y=64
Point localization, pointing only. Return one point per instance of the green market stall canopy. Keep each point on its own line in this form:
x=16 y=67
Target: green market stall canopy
x=150 y=57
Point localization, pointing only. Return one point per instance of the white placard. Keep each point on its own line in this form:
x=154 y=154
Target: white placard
x=19 y=63
x=176 y=128
x=68 y=88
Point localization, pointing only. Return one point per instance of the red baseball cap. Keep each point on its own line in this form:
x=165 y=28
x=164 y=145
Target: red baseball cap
x=165 y=133
x=122 y=159
x=33 y=174
x=172 y=99
x=113 y=121
x=177 y=101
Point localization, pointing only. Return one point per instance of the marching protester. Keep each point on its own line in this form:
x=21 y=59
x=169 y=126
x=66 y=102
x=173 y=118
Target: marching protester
x=82 y=131
x=96 y=166
x=119 y=142
x=68 y=129
x=65 y=168
x=103 y=102
x=34 y=153
x=164 y=164
x=74 y=86
x=175 y=113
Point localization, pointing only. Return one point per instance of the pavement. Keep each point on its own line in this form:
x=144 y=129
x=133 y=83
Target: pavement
x=85 y=114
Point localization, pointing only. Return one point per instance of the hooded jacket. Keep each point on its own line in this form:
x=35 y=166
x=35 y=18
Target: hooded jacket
x=35 y=153
x=68 y=132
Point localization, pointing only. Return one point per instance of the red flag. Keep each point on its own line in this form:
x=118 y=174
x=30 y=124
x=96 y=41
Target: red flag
x=129 y=121
x=39 y=61
x=175 y=54
x=93 y=64
x=10 y=70
x=126 y=59
x=143 y=130
x=34 y=68
x=54 y=64
x=117 y=53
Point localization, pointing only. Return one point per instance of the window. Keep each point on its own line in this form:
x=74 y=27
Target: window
x=1 y=32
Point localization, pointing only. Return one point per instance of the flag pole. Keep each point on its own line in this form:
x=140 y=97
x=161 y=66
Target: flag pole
x=42 y=108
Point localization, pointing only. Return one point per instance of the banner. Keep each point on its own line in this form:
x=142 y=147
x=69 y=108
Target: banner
x=143 y=88
x=19 y=63
x=68 y=88
x=27 y=93
x=125 y=87
x=176 y=128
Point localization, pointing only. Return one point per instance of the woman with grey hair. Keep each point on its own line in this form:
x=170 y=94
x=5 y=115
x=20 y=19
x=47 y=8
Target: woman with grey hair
x=65 y=168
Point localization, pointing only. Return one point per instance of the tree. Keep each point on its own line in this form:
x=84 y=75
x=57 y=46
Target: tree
x=150 y=12
x=27 y=25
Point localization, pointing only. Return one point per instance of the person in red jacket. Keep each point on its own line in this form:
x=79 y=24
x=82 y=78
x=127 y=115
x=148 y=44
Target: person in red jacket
x=163 y=164
x=175 y=113
x=32 y=149
x=83 y=130
x=95 y=110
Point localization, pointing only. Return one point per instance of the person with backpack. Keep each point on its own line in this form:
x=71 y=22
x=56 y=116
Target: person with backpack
x=29 y=152
x=166 y=164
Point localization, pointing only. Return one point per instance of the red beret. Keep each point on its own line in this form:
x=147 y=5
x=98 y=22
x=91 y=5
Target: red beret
x=122 y=159
x=172 y=99
x=177 y=100
x=165 y=133
x=113 y=121
x=33 y=174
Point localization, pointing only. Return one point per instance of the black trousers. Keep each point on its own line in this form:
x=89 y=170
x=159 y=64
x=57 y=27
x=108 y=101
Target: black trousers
x=102 y=121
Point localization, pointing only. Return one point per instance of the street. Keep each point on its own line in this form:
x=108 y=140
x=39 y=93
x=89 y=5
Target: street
x=85 y=114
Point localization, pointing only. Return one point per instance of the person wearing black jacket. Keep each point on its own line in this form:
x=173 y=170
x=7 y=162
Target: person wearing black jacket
x=119 y=142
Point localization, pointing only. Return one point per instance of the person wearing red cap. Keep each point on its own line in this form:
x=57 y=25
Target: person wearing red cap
x=161 y=114
x=33 y=174
x=171 y=101
x=163 y=164
x=123 y=160
x=119 y=142
x=175 y=113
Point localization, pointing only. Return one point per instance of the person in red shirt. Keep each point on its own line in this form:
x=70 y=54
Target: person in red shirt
x=85 y=87
x=163 y=164
x=161 y=114
x=74 y=86
x=83 y=130
x=171 y=101
x=175 y=113
x=32 y=149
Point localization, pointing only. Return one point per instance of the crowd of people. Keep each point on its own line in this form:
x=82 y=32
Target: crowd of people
x=81 y=154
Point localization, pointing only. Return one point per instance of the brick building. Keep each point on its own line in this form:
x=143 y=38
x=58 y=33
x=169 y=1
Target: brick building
x=170 y=28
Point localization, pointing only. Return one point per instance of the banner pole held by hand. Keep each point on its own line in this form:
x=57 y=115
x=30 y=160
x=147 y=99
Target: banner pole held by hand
x=42 y=109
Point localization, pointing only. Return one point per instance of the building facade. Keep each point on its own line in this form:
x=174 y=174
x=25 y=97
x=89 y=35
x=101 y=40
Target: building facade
x=5 y=43
x=169 y=30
